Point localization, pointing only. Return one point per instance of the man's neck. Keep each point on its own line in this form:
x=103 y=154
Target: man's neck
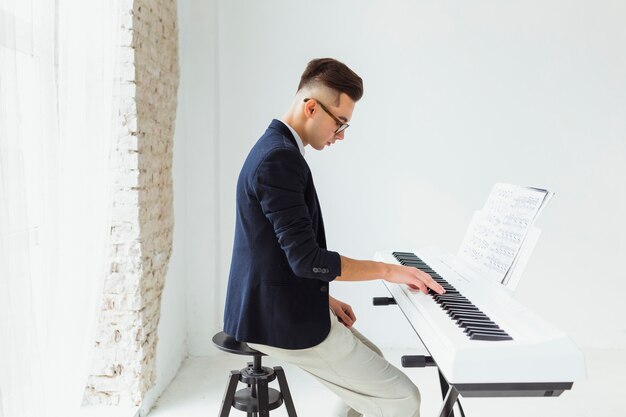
x=296 y=125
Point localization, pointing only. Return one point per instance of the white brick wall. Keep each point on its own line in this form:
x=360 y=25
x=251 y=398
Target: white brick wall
x=141 y=231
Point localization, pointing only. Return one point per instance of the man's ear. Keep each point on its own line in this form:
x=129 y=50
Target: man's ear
x=309 y=108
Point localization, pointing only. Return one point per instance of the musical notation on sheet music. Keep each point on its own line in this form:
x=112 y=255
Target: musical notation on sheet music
x=496 y=233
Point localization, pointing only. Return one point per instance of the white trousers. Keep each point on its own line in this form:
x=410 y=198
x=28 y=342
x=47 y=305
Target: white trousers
x=352 y=367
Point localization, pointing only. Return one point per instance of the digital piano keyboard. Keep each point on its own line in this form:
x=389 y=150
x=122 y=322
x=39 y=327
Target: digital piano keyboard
x=484 y=342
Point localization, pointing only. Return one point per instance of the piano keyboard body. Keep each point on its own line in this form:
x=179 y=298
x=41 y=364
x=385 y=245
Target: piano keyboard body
x=532 y=357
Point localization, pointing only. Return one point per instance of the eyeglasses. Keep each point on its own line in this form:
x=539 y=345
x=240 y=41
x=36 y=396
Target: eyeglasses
x=341 y=125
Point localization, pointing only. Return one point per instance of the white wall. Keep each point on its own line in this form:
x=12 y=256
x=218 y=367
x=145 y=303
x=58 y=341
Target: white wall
x=458 y=96
x=198 y=39
x=189 y=299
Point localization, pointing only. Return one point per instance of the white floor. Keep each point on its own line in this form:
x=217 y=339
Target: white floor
x=199 y=386
x=197 y=391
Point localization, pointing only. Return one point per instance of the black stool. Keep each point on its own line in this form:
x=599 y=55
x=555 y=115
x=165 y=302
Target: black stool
x=258 y=399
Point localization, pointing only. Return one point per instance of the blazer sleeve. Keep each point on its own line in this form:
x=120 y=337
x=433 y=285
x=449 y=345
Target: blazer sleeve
x=280 y=182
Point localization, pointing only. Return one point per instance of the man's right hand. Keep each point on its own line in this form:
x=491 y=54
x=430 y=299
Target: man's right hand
x=412 y=277
x=354 y=270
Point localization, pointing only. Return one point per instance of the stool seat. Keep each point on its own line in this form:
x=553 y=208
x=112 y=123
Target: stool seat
x=227 y=343
x=258 y=399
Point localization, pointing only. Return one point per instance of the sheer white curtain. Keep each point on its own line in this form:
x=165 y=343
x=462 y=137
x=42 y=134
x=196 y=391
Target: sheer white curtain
x=57 y=111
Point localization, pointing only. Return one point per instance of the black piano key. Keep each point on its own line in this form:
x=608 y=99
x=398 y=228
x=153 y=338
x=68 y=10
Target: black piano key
x=490 y=337
x=478 y=319
x=481 y=323
x=458 y=295
x=464 y=309
x=411 y=259
x=459 y=306
x=419 y=266
x=476 y=331
x=450 y=299
x=477 y=325
x=472 y=332
x=451 y=296
x=453 y=302
x=468 y=315
x=403 y=254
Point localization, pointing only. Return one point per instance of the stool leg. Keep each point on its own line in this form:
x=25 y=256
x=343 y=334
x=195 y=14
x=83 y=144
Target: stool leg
x=229 y=395
x=284 y=390
x=253 y=391
x=262 y=398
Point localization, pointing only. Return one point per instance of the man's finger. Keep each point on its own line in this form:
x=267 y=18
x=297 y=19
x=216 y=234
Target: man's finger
x=350 y=313
x=431 y=283
x=422 y=287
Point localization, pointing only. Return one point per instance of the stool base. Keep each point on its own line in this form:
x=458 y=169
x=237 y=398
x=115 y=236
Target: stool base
x=258 y=399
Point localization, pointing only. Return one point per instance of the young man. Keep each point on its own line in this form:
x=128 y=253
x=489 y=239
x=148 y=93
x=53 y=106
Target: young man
x=277 y=298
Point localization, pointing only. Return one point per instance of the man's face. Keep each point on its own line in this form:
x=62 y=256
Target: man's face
x=326 y=118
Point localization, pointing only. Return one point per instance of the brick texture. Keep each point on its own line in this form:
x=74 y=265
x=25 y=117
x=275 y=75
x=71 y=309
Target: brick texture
x=124 y=366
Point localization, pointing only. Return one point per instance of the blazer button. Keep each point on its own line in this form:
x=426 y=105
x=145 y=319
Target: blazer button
x=323 y=288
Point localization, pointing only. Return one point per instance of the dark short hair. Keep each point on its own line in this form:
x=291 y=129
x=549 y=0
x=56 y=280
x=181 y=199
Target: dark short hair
x=333 y=74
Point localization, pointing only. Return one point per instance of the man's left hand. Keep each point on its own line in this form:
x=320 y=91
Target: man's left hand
x=343 y=311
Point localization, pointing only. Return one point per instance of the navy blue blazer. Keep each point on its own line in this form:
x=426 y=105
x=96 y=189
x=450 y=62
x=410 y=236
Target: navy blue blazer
x=280 y=269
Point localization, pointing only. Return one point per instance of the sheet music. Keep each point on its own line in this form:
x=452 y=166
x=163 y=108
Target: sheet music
x=496 y=233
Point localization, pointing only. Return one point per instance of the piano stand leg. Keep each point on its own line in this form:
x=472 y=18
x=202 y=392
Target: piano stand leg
x=450 y=397
x=447 y=408
x=449 y=393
